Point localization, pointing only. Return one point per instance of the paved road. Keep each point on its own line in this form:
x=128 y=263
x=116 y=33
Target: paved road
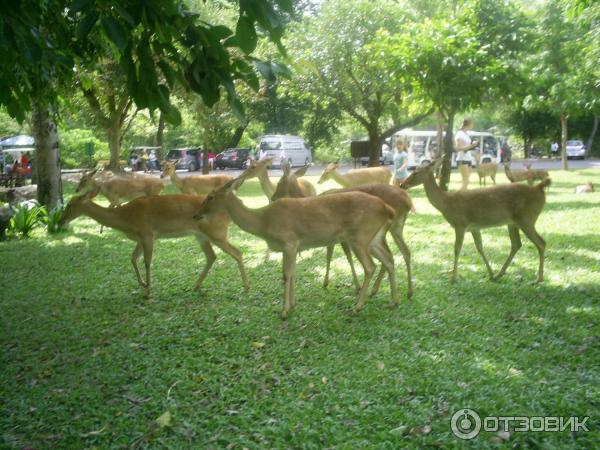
x=317 y=169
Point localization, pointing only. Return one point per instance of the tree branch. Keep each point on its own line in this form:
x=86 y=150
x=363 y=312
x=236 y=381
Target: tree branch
x=409 y=123
x=90 y=96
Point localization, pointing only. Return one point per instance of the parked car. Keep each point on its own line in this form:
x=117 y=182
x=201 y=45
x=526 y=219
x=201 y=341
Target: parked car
x=386 y=156
x=187 y=158
x=232 y=158
x=575 y=149
x=284 y=148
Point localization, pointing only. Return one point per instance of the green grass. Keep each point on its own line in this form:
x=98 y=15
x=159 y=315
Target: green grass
x=87 y=362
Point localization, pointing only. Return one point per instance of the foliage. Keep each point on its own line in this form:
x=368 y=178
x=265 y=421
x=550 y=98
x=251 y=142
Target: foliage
x=88 y=363
x=51 y=219
x=25 y=219
x=72 y=147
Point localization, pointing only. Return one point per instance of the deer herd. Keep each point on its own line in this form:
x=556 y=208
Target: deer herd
x=358 y=216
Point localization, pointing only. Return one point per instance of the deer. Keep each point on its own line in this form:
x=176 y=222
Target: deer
x=528 y=174
x=584 y=188
x=118 y=189
x=197 y=184
x=356 y=177
x=485 y=170
x=516 y=205
x=289 y=225
x=393 y=196
x=258 y=169
x=145 y=219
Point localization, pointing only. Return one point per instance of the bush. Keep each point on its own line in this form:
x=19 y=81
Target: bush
x=73 y=142
x=25 y=219
x=52 y=217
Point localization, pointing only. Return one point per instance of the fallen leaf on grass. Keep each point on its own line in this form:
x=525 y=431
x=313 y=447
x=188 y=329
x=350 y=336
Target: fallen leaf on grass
x=93 y=433
x=164 y=420
x=258 y=344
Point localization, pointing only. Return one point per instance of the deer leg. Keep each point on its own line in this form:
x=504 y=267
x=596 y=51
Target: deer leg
x=148 y=245
x=289 y=267
x=531 y=233
x=135 y=256
x=493 y=177
x=380 y=250
x=235 y=254
x=479 y=246
x=515 y=245
x=458 y=242
x=348 y=254
x=397 y=231
x=362 y=254
x=329 y=256
x=378 y=281
x=210 y=259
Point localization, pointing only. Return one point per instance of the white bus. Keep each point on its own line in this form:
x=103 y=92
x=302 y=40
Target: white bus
x=422 y=146
x=284 y=148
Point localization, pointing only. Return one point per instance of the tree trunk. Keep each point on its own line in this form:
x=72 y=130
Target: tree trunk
x=440 y=134
x=526 y=147
x=47 y=157
x=205 y=168
x=374 y=148
x=237 y=135
x=563 y=131
x=160 y=137
x=114 y=144
x=448 y=150
x=590 y=141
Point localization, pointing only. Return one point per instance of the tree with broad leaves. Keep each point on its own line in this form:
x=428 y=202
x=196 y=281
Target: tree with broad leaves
x=157 y=45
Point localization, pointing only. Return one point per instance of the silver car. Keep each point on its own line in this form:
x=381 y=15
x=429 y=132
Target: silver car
x=575 y=149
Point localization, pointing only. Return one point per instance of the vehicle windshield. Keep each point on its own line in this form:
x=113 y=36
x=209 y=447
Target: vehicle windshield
x=270 y=145
x=574 y=143
x=173 y=154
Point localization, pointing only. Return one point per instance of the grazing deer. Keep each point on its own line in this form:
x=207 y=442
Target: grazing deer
x=293 y=224
x=485 y=170
x=118 y=189
x=515 y=205
x=145 y=219
x=195 y=184
x=356 y=177
x=258 y=169
x=585 y=188
x=528 y=174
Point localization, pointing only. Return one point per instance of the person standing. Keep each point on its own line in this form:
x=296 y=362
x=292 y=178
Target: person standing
x=400 y=162
x=463 y=147
x=153 y=161
x=554 y=149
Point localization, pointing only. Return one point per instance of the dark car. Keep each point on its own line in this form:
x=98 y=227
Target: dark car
x=233 y=158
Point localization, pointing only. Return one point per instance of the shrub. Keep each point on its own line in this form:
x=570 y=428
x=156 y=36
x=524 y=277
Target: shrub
x=25 y=219
x=51 y=219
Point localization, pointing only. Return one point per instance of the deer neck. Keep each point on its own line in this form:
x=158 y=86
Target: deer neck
x=341 y=179
x=249 y=220
x=176 y=180
x=106 y=216
x=266 y=184
x=437 y=197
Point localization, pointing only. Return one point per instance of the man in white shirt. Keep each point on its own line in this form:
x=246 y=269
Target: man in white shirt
x=463 y=147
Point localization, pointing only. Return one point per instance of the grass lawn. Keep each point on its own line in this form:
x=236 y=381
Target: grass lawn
x=87 y=362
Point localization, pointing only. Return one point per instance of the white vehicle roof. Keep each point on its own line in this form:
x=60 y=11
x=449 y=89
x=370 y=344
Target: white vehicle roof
x=18 y=150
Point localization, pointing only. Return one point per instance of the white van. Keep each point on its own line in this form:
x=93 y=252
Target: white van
x=422 y=146
x=284 y=148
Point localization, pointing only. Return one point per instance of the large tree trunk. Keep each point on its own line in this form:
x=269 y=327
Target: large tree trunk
x=114 y=144
x=205 y=168
x=237 y=135
x=526 y=146
x=160 y=138
x=440 y=134
x=448 y=150
x=47 y=158
x=590 y=141
x=563 y=135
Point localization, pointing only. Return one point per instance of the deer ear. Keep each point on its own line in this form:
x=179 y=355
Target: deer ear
x=286 y=169
x=301 y=171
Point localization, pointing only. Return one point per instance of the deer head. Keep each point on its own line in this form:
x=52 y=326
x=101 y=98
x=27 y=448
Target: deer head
x=329 y=169
x=215 y=201
x=74 y=208
x=256 y=167
x=419 y=175
x=288 y=184
x=169 y=169
x=87 y=180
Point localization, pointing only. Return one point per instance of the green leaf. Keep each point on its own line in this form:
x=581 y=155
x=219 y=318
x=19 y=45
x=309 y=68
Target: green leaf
x=85 y=26
x=164 y=420
x=116 y=33
x=78 y=5
x=220 y=32
x=246 y=34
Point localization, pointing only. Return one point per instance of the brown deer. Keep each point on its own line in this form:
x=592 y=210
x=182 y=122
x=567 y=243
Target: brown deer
x=259 y=168
x=585 y=188
x=292 y=224
x=145 y=219
x=356 y=177
x=529 y=174
x=395 y=197
x=195 y=184
x=485 y=170
x=515 y=205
